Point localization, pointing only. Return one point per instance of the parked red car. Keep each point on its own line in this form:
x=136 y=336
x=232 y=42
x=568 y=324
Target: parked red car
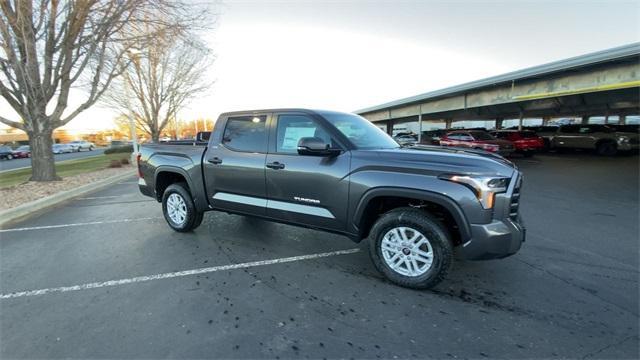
x=21 y=152
x=525 y=142
x=477 y=139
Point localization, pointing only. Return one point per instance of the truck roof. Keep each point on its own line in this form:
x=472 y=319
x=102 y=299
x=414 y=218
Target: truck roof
x=280 y=110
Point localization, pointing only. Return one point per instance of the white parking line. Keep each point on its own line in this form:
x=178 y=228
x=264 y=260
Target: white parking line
x=77 y=224
x=170 y=275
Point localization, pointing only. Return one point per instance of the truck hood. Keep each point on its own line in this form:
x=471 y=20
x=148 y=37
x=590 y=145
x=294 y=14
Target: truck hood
x=436 y=159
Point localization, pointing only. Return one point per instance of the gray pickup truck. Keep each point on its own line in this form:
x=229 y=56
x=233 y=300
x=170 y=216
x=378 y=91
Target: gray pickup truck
x=606 y=140
x=338 y=172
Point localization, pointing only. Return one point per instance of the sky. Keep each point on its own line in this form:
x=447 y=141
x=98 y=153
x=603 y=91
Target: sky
x=348 y=55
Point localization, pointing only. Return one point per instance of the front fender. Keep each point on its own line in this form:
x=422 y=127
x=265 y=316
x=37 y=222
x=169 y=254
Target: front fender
x=446 y=202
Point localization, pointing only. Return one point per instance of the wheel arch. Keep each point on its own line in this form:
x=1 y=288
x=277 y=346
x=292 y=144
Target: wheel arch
x=167 y=175
x=366 y=212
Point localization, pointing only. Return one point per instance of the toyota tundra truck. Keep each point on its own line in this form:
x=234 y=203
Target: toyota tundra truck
x=337 y=172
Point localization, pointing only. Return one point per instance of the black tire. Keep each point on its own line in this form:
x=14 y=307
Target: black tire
x=193 y=217
x=607 y=148
x=432 y=229
x=546 y=145
x=9 y=157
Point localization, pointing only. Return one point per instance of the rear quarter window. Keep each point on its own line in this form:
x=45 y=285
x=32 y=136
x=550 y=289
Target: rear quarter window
x=246 y=133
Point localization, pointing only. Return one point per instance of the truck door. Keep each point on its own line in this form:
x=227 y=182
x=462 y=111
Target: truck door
x=567 y=136
x=233 y=165
x=311 y=190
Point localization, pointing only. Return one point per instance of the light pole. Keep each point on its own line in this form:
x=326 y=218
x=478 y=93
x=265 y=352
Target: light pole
x=133 y=54
x=132 y=125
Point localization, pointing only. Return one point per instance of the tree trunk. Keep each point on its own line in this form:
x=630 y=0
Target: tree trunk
x=155 y=136
x=42 y=162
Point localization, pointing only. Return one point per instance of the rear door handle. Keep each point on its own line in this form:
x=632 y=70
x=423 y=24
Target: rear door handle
x=275 y=165
x=215 y=161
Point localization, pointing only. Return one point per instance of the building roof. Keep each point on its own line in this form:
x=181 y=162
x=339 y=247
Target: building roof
x=613 y=54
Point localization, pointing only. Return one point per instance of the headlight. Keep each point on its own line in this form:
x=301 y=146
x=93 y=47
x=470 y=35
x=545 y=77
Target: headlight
x=484 y=187
x=623 y=139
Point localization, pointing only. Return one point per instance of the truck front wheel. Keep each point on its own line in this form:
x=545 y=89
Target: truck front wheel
x=411 y=248
x=179 y=210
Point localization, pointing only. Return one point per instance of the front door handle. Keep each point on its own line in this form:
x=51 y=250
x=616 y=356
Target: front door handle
x=275 y=165
x=215 y=161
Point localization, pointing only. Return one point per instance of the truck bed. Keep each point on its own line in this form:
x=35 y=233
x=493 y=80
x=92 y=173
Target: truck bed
x=185 y=159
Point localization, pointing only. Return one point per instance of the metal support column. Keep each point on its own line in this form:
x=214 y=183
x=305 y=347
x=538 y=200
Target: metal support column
x=447 y=123
x=499 y=123
x=420 y=124
x=585 y=119
x=520 y=120
x=622 y=120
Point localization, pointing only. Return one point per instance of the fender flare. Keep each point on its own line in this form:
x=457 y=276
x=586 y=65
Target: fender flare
x=446 y=202
x=171 y=169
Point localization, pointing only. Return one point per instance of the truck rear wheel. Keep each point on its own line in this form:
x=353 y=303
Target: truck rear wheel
x=179 y=210
x=411 y=248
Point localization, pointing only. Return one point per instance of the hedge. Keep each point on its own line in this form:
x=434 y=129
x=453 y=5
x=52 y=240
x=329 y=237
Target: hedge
x=119 y=149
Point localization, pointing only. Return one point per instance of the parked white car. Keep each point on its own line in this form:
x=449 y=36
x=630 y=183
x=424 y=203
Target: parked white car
x=82 y=145
x=62 y=148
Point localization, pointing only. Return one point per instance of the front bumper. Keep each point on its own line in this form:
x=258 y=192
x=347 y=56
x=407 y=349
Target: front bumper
x=504 y=235
x=628 y=147
x=505 y=152
x=495 y=240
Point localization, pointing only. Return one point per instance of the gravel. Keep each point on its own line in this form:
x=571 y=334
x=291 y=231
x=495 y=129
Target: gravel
x=31 y=190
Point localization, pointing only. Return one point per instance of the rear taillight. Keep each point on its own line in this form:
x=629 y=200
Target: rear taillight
x=138 y=163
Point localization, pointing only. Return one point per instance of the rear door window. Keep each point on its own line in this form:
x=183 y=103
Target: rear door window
x=246 y=133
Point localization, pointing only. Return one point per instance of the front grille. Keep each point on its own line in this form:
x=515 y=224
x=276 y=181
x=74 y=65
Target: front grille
x=515 y=200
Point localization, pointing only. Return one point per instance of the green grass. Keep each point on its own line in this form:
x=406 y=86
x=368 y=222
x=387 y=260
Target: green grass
x=63 y=168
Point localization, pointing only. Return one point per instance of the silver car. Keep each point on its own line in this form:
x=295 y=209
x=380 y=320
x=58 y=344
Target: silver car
x=62 y=148
x=82 y=145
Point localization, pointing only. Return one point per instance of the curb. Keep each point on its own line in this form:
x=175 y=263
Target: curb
x=10 y=215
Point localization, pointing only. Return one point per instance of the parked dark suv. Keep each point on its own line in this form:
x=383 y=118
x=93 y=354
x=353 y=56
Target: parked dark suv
x=6 y=152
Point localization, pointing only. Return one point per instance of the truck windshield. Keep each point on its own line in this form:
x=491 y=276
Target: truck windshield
x=360 y=131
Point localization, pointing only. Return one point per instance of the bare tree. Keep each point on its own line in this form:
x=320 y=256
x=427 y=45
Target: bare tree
x=162 y=78
x=48 y=47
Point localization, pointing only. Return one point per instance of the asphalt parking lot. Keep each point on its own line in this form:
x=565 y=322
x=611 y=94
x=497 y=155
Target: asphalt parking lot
x=572 y=290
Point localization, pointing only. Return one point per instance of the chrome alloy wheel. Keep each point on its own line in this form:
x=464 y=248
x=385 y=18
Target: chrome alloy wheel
x=177 y=209
x=406 y=251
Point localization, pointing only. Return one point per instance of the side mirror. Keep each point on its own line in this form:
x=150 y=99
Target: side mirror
x=203 y=136
x=314 y=146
